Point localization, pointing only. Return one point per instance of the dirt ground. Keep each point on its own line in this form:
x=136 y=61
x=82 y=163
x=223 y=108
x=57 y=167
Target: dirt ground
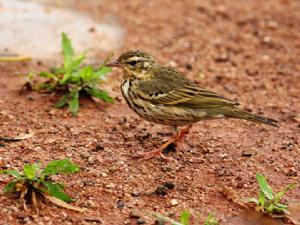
x=244 y=50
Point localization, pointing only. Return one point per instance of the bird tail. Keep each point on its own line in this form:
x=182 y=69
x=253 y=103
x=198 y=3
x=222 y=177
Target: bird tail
x=241 y=114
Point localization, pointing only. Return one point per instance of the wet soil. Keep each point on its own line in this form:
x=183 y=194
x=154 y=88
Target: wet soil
x=244 y=50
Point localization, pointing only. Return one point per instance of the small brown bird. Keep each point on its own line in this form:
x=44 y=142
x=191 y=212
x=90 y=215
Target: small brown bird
x=163 y=95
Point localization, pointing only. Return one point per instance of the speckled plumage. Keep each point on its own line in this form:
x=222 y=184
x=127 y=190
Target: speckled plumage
x=163 y=95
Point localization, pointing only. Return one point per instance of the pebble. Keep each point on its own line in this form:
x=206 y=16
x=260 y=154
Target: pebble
x=169 y=185
x=223 y=57
x=140 y=221
x=134 y=215
x=84 y=155
x=110 y=185
x=161 y=190
x=103 y=174
x=266 y=39
x=247 y=153
x=120 y=204
x=135 y=194
x=174 y=202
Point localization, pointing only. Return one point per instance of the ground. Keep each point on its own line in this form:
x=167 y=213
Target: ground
x=244 y=50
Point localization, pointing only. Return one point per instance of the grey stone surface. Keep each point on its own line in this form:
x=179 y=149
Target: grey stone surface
x=33 y=29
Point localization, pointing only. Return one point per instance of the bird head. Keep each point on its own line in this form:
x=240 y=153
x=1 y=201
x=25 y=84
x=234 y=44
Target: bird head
x=135 y=63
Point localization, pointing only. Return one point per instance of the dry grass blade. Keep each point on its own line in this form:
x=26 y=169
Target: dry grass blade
x=20 y=137
x=61 y=203
x=34 y=201
x=22 y=198
x=15 y=59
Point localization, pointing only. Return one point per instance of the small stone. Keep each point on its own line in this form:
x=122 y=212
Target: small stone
x=223 y=155
x=223 y=57
x=134 y=215
x=110 y=185
x=247 y=153
x=272 y=24
x=103 y=174
x=265 y=57
x=99 y=147
x=120 y=204
x=140 y=221
x=30 y=98
x=266 y=39
x=135 y=194
x=91 y=160
x=169 y=185
x=188 y=66
x=174 y=202
x=161 y=190
x=84 y=155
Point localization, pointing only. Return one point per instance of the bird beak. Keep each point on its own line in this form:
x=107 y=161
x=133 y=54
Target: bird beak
x=114 y=63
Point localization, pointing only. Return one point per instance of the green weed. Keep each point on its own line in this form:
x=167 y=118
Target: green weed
x=71 y=79
x=33 y=181
x=267 y=201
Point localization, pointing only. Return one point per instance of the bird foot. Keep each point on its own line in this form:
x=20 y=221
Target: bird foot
x=178 y=138
x=157 y=152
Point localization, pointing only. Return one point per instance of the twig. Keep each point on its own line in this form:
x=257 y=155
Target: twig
x=15 y=59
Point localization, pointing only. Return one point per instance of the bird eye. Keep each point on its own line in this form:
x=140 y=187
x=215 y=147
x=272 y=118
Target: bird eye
x=132 y=63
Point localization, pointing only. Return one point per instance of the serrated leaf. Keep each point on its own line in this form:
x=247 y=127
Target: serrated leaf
x=76 y=62
x=13 y=173
x=56 y=190
x=30 y=170
x=264 y=186
x=64 y=166
x=62 y=101
x=185 y=217
x=10 y=187
x=68 y=50
x=280 y=194
x=103 y=95
x=86 y=73
x=74 y=102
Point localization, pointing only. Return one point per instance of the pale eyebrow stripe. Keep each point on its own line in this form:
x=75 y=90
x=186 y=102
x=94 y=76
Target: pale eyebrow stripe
x=135 y=58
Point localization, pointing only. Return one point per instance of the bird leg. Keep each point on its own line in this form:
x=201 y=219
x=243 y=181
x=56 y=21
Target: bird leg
x=177 y=138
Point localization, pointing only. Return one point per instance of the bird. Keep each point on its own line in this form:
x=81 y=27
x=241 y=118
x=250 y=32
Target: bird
x=165 y=96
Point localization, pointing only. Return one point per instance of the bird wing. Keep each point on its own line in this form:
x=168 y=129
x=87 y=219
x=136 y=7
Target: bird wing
x=173 y=89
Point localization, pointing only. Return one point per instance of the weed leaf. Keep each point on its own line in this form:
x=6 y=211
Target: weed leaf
x=265 y=188
x=64 y=166
x=68 y=51
x=62 y=101
x=30 y=170
x=74 y=102
x=9 y=187
x=103 y=95
x=13 y=173
x=280 y=194
x=185 y=217
x=56 y=190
